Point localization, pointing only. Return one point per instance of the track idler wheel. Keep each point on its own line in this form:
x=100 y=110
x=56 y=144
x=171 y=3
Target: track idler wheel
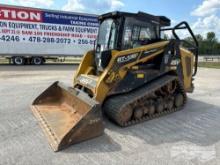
x=149 y=109
x=159 y=105
x=170 y=104
x=179 y=100
x=125 y=115
x=138 y=113
x=146 y=109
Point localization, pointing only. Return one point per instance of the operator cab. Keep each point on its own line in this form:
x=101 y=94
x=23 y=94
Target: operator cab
x=122 y=31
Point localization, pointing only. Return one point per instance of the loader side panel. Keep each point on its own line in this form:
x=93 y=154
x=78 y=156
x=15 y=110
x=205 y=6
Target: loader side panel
x=187 y=62
x=121 y=63
x=86 y=66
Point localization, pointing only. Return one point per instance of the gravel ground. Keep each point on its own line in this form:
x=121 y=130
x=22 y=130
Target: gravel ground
x=191 y=136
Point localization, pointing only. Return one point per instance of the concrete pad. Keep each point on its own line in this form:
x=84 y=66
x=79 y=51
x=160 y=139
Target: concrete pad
x=191 y=136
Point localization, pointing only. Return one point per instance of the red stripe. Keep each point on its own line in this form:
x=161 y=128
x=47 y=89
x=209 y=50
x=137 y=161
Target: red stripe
x=20 y=14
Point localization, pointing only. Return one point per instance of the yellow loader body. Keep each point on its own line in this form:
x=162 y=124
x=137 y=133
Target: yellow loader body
x=70 y=115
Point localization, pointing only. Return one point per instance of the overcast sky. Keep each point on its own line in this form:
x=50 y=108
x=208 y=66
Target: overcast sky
x=203 y=15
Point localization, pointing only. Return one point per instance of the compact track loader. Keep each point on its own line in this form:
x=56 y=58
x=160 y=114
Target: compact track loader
x=131 y=76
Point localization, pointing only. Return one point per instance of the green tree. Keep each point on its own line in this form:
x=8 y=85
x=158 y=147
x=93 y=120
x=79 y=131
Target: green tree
x=211 y=43
x=211 y=37
x=208 y=45
x=199 y=38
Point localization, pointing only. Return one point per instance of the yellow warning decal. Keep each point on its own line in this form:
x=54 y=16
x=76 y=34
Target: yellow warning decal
x=140 y=75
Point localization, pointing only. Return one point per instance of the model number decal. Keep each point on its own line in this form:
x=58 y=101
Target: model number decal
x=127 y=58
x=94 y=121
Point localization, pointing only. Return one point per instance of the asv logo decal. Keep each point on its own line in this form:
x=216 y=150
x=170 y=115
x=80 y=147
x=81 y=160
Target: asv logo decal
x=150 y=51
x=127 y=58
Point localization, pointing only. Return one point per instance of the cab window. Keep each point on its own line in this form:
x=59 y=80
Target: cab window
x=127 y=39
x=137 y=33
x=147 y=34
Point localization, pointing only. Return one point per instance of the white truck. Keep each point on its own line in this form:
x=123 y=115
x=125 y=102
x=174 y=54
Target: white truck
x=30 y=35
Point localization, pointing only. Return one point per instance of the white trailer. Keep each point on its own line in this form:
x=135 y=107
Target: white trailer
x=30 y=35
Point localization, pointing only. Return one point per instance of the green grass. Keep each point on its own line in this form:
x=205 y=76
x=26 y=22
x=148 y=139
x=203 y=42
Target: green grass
x=210 y=65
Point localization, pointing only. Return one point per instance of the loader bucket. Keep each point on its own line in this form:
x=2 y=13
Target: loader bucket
x=67 y=116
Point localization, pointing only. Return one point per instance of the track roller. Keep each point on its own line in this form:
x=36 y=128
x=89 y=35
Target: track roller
x=138 y=113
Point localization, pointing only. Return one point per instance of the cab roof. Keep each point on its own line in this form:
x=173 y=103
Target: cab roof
x=161 y=20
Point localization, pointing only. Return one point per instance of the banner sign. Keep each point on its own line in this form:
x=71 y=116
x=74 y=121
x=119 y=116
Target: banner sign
x=32 y=31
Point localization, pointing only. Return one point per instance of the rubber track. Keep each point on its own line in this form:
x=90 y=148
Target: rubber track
x=114 y=104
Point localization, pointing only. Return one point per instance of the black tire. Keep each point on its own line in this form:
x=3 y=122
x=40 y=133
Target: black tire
x=37 y=61
x=19 y=60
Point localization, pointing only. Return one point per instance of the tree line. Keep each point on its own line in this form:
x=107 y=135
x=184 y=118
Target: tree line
x=208 y=45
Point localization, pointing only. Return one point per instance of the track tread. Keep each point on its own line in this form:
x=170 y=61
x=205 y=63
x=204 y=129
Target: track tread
x=114 y=105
